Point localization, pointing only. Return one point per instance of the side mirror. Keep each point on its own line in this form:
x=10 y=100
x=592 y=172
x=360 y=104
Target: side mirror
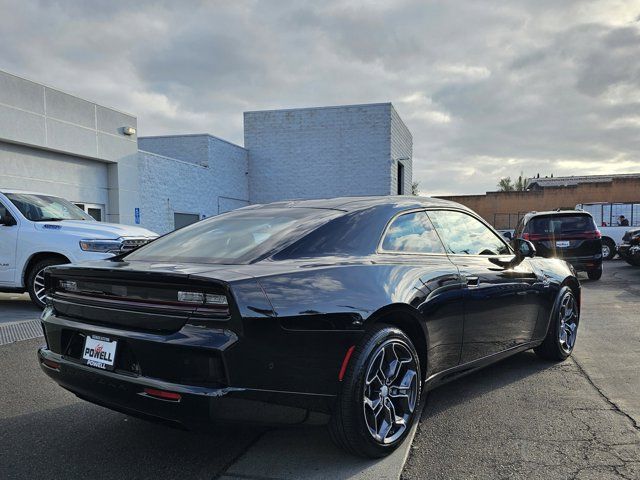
x=524 y=248
x=7 y=221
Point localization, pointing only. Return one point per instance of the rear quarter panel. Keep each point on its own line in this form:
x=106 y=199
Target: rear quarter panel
x=319 y=311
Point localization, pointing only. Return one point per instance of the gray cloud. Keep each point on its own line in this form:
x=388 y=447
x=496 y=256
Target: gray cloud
x=487 y=88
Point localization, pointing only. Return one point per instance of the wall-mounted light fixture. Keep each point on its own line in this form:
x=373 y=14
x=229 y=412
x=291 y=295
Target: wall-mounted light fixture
x=129 y=131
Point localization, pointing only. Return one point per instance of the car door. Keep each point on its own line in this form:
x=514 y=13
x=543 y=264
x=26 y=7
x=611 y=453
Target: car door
x=426 y=279
x=8 y=246
x=501 y=304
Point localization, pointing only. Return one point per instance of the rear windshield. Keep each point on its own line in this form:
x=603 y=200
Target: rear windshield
x=561 y=224
x=237 y=237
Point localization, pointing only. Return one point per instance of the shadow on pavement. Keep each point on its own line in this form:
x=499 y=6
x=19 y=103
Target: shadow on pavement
x=85 y=441
x=488 y=379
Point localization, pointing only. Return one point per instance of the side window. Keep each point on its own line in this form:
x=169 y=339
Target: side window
x=412 y=233
x=463 y=234
x=4 y=212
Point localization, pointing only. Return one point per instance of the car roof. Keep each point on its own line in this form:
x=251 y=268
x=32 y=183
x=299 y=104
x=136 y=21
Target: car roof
x=350 y=204
x=26 y=192
x=547 y=213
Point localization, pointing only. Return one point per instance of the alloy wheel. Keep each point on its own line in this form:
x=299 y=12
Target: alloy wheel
x=38 y=286
x=568 y=322
x=606 y=251
x=390 y=391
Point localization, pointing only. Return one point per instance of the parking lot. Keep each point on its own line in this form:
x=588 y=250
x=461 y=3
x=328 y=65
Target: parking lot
x=521 y=418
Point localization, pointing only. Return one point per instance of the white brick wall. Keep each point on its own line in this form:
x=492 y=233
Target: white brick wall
x=323 y=152
x=301 y=153
x=401 y=148
x=168 y=185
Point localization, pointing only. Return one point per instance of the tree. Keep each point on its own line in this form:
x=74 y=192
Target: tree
x=415 y=188
x=521 y=183
x=505 y=185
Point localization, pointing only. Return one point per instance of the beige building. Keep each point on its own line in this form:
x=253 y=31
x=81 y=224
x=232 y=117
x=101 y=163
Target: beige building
x=504 y=209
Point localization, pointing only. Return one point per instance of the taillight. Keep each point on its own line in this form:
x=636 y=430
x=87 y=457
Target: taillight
x=594 y=235
x=199 y=297
x=533 y=236
x=206 y=303
x=163 y=394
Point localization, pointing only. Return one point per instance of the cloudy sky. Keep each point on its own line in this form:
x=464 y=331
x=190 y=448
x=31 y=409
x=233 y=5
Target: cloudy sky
x=488 y=89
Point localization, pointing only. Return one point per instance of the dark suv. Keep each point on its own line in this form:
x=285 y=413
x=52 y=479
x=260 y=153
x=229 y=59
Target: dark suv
x=568 y=234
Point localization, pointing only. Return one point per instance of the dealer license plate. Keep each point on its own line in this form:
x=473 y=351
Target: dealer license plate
x=99 y=352
x=562 y=243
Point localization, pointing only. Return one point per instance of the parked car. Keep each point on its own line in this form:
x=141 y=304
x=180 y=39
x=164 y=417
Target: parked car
x=611 y=240
x=343 y=310
x=629 y=250
x=39 y=230
x=568 y=234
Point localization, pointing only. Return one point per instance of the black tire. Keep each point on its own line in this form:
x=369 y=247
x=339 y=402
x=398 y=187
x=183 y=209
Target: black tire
x=611 y=245
x=349 y=426
x=552 y=347
x=32 y=288
x=594 y=274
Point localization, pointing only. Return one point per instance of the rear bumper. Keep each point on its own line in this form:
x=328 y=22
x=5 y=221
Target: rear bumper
x=591 y=262
x=197 y=408
x=197 y=363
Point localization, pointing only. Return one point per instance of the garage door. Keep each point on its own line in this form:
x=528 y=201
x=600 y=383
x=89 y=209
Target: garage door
x=77 y=179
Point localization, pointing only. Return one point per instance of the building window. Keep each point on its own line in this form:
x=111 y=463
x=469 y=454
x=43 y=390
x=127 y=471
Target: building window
x=400 y=179
x=96 y=211
x=183 y=219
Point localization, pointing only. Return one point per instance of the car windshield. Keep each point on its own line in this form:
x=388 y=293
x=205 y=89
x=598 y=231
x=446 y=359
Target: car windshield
x=237 y=237
x=559 y=224
x=44 y=208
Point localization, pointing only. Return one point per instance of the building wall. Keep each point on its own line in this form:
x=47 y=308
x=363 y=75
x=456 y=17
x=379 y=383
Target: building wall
x=206 y=188
x=319 y=152
x=495 y=206
x=401 y=152
x=48 y=120
x=188 y=148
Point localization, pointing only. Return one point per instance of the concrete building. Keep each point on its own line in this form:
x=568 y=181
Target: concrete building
x=504 y=209
x=335 y=151
x=56 y=143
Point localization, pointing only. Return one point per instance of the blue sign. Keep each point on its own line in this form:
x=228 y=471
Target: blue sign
x=136 y=214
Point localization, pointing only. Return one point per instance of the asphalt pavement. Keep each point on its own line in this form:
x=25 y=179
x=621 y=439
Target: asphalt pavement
x=521 y=418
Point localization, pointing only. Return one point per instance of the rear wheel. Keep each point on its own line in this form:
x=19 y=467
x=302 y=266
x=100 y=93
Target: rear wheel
x=563 y=328
x=608 y=249
x=380 y=394
x=35 y=279
x=595 y=274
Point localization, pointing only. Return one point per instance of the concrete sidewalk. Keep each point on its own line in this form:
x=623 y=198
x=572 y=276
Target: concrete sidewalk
x=287 y=454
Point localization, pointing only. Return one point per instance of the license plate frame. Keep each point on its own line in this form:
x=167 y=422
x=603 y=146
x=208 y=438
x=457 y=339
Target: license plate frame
x=99 y=352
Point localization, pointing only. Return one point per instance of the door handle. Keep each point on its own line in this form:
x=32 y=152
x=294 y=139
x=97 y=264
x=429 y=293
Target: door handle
x=472 y=281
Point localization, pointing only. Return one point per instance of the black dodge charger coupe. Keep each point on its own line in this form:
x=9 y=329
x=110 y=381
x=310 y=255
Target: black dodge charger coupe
x=341 y=311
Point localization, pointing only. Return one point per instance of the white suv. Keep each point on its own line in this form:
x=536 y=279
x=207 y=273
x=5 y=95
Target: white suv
x=38 y=230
